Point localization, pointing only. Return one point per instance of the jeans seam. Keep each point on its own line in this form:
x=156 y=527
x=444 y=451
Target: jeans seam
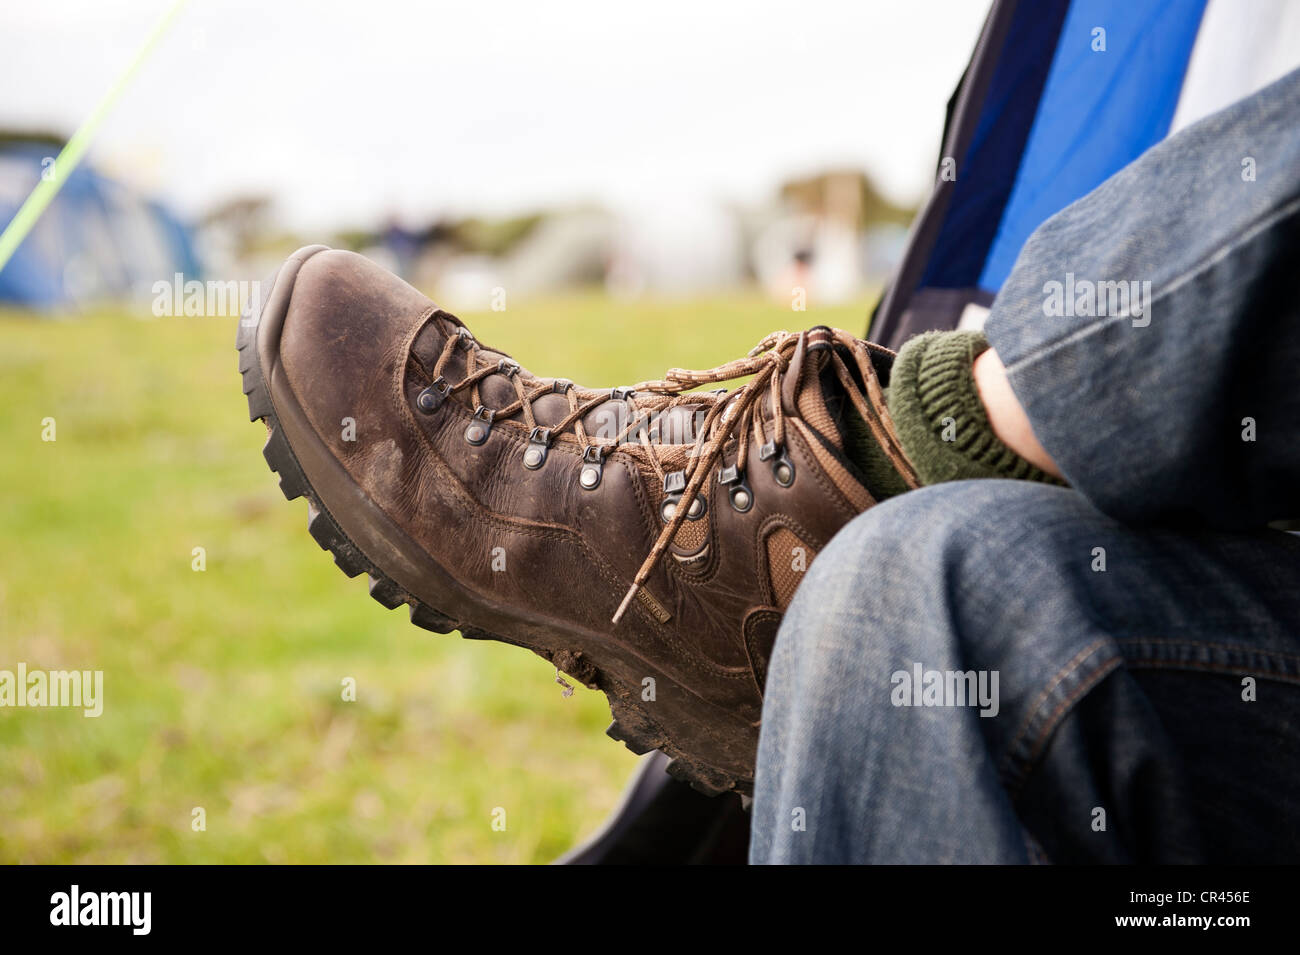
x=1232 y=647
x=1220 y=668
x=1013 y=779
x=1014 y=783
x=1266 y=663
x=1169 y=289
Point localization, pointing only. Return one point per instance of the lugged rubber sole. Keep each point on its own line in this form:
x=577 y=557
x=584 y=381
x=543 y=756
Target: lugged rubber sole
x=632 y=725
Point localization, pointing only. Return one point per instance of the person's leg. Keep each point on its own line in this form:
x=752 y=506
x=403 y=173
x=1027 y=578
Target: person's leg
x=1151 y=330
x=1172 y=402
x=1144 y=345
x=1120 y=658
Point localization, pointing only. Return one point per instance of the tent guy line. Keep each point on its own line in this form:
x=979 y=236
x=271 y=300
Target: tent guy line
x=71 y=154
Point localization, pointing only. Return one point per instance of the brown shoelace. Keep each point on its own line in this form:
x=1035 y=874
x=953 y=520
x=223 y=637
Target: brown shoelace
x=728 y=414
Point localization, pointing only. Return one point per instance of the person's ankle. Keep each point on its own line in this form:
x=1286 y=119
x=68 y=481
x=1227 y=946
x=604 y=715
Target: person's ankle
x=1006 y=415
x=939 y=411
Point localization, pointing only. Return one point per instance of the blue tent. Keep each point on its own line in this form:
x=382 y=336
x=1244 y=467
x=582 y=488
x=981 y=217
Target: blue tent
x=98 y=239
x=1058 y=96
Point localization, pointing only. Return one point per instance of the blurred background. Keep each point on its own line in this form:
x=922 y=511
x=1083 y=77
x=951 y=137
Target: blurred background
x=600 y=189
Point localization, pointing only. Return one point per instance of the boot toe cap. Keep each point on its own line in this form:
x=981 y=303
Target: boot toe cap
x=345 y=334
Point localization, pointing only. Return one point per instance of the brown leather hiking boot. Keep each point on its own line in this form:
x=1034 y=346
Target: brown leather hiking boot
x=645 y=540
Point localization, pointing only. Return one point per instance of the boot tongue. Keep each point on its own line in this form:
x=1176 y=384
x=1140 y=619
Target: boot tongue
x=820 y=400
x=812 y=391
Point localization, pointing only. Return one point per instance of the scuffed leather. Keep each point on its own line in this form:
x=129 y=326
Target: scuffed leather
x=570 y=553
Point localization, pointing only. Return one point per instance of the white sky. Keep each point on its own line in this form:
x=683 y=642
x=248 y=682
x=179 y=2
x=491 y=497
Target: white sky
x=344 y=111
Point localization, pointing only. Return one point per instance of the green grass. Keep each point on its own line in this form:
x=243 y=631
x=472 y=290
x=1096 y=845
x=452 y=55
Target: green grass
x=222 y=688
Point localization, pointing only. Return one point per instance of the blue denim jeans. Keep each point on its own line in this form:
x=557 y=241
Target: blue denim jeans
x=1000 y=671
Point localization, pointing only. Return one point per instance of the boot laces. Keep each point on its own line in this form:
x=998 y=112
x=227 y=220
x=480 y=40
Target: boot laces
x=726 y=414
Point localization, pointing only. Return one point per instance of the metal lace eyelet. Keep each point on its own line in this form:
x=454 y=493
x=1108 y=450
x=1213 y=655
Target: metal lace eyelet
x=508 y=367
x=480 y=425
x=674 y=485
x=561 y=386
x=539 y=443
x=738 y=490
x=783 y=471
x=668 y=510
x=431 y=398
x=782 y=466
x=593 y=464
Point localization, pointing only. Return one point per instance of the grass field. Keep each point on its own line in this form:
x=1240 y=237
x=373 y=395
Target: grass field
x=222 y=687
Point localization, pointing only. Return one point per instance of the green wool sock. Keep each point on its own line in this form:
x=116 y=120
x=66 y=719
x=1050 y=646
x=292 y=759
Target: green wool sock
x=883 y=479
x=940 y=419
